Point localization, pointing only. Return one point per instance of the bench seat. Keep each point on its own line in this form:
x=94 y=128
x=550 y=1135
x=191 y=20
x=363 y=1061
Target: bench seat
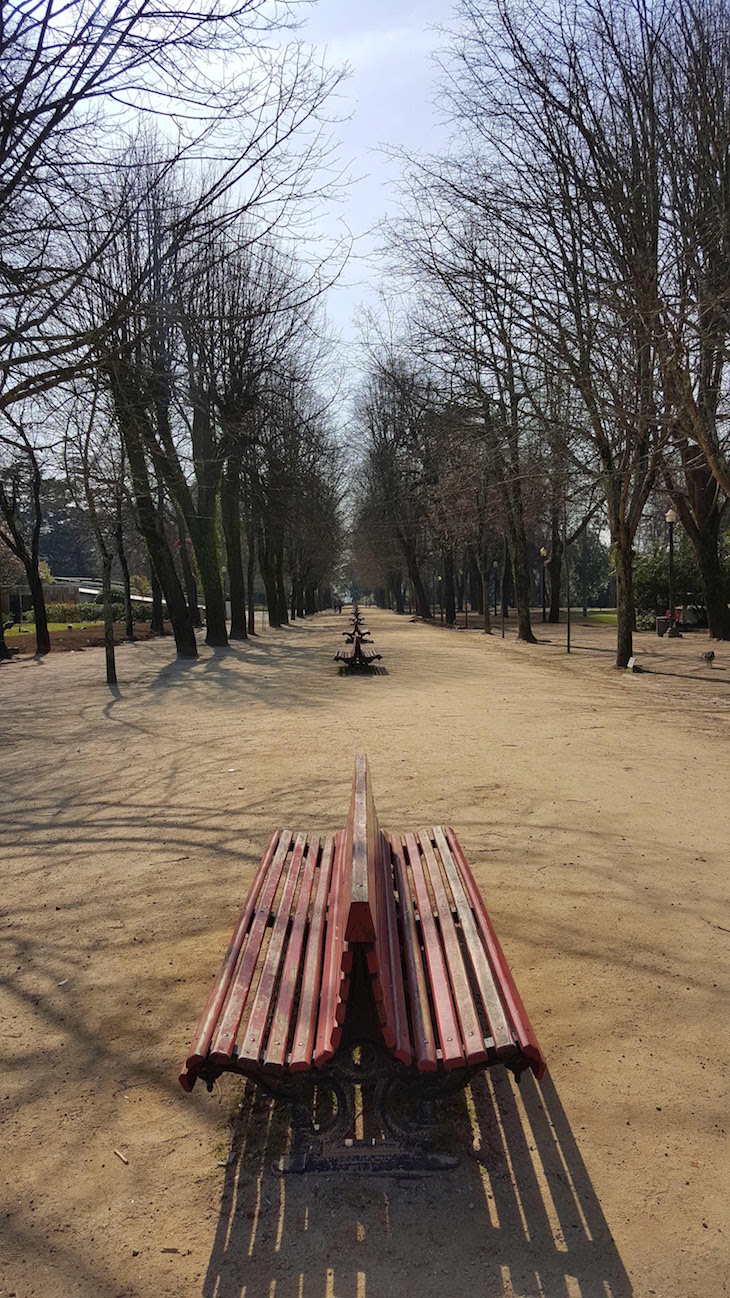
x=397 y=913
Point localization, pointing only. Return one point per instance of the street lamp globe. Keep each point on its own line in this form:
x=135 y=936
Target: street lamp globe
x=543 y=552
x=671 y=516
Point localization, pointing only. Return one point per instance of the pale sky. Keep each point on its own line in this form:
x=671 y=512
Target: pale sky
x=390 y=98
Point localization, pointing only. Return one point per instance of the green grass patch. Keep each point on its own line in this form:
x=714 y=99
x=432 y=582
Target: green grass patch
x=29 y=628
x=602 y=619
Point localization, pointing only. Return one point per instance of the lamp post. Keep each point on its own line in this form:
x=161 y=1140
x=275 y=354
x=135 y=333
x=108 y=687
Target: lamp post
x=543 y=556
x=495 y=567
x=671 y=518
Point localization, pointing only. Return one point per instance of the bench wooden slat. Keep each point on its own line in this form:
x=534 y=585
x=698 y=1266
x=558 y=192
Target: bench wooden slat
x=518 y=1014
x=206 y=1024
x=391 y=972
x=251 y=1048
x=424 y=1039
x=499 y=1028
x=471 y=1029
x=306 y=1026
x=281 y=1022
x=225 y=1036
x=448 y=1030
x=326 y=1039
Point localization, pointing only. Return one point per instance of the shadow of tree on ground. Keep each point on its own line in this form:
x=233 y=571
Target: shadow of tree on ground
x=517 y=1217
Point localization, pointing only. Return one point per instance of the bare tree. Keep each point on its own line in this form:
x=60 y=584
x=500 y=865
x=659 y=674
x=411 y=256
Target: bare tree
x=562 y=108
x=75 y=79
x=20 y=506
x=391 y=413
x=94 y=461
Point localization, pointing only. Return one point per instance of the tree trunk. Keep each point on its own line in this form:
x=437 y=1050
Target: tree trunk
x=158 y=622
x=479 y=592
x=449 y=594
x=505 y=577
x=128 y=615
x=231 y=512
x=163 y=576
x=251 y=578
x=705 y=546
x=4 y=651
x=423 y=608
x=106 y=586
x=584 y=572
x=42 y=634
x=205 y=540
x=191 y=586
x=126 y=402
x=268 y=576
x=396 y=587
x=625 y=613
x=157 y=626
x=460 y=585
x=521 y=578
x=485 y=610
x=554 y=567
x=283 y=609
x=310 y=599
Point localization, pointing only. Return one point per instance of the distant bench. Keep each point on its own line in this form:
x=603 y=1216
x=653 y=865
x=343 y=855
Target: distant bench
x=362 y=959
x=357 y=655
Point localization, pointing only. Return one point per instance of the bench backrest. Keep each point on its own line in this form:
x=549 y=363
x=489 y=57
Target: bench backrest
x=372 y=915
x=362 y=848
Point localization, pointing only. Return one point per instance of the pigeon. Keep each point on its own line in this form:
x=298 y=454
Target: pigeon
x=708 y=657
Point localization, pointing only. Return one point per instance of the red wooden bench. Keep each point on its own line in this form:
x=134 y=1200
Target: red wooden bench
x=363 y=959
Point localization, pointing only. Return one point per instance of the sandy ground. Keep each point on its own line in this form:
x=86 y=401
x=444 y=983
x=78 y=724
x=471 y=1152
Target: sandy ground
x=593 y=807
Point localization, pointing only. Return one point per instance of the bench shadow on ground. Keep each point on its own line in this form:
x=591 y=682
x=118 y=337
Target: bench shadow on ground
x=517 y=1218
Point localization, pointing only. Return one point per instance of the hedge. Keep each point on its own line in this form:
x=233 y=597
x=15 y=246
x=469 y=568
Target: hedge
x=78 y=613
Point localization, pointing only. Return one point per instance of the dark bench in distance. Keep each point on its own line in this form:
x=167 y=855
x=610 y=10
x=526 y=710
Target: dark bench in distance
x=362 y=960
x=357 y=656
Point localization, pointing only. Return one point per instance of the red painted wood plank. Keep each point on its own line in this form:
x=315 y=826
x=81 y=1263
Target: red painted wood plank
x=499 y=1028
x=424 y=1040
x=359 y=856
x=379 y=962
x=334 y=940
x=227 y=1030
x=397 y=1013
x=208 y=1019
x=518 y=1014
x=448 y=1030
x=471 y=1030
x=341 y=1009
x=281 y=1022
x=252 y=1046
x=306 y=1027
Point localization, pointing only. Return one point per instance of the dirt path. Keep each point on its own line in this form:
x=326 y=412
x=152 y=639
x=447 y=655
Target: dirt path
x=594 y=809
